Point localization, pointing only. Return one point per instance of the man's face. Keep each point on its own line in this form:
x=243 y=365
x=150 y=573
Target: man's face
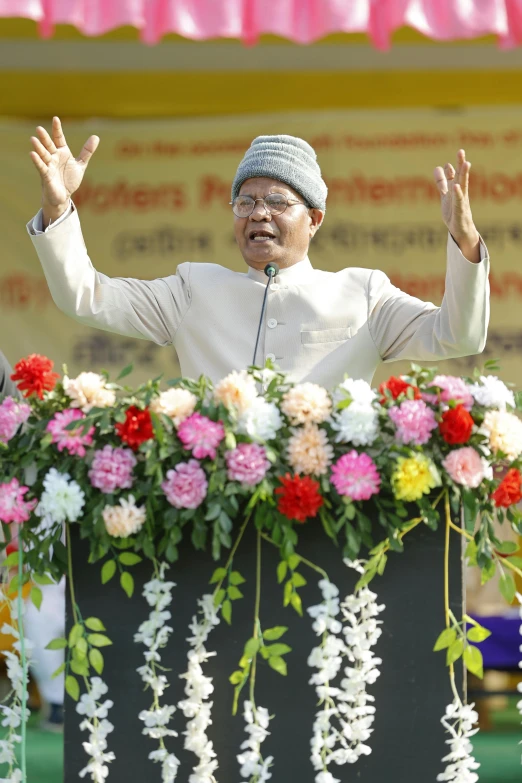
x=284 y=238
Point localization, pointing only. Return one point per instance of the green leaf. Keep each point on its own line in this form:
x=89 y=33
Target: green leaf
x=507 y=548
x=108 y=571
x=72 y=687
x=278 y=664
x=129 y=558
x=93 y=624
x=126 y=371
x=218 y=575
x=226 y=611
x=473 y=661
x=293 y=561
x=75 y=633
x=471 y=552
x=59 y=670
x=488 y=572
x=478 y=633
x=252 y=647
x=218 y=598
x=230 y=441
x=42 y=579
x=278 y=649
x=282 y=568
x=446 y=639
x=36 y=597
x=236 y=578
x=271 y=634
x=96 y=659
x=382 y=564
x=287 y=593
x=298 y=580
x=236 y=677
x=234 y=593
x=11 y=560
x=296 y=602
x=57 y=644
x=80 y=667
x=454 y=651
x=127 y=582
x=80 y=650
x=516 y=561
x=507 y=587
x=98 y=640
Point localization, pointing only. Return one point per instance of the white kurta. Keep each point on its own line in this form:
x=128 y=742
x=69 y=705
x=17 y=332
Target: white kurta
x=319 y=326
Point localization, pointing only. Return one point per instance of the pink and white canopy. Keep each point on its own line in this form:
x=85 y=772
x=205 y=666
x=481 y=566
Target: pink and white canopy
x=302 y=21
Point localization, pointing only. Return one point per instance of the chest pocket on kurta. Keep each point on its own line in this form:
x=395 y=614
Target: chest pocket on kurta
x=315 y=336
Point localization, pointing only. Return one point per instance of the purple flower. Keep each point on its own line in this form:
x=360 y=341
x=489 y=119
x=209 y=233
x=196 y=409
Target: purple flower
x=112 y=469
x=247 y=463
x=414 y=422
x=73 y=441
x=186 y=485
x=201 y=435
x=12 y=414
x=355 y=476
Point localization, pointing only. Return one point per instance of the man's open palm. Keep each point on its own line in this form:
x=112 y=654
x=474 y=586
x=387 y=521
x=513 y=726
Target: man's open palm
x=61 y=173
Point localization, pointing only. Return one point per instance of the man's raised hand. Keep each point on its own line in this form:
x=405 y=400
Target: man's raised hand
x=61 y=173
x=456 y=210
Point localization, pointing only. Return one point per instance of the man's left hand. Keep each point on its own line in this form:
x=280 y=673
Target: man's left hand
x=456 y=211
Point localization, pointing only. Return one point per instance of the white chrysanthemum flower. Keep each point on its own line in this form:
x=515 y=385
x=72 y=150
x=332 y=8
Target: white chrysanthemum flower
x=491 y=392
x=358 y=423
x=62 y=499
x=177 y=403
x=236 y=392
x=88 y=390
x=504 y=431
x=357 y=390
x=261 y=421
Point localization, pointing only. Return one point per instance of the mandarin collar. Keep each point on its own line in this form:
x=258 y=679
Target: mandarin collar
x=298 y=273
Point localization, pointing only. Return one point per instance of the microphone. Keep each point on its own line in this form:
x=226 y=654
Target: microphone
x=270 y=270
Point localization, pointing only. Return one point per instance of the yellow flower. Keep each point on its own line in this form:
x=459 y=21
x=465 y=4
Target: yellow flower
x=414 y=477
x=309 y=450
x=306 y=403
x=237 y=391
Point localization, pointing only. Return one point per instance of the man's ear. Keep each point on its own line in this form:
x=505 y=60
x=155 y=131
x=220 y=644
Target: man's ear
x=316 y=219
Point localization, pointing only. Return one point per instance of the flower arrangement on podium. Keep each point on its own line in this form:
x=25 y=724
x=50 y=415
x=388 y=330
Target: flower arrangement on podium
x=138 y=469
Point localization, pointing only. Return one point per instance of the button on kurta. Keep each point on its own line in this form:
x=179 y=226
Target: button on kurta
x=271 y=323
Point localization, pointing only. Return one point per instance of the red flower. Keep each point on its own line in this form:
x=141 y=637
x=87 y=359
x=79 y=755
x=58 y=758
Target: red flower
x=509 y=490
x=299 y=497
x=398 y=386
x=137 y=427
x=456 y=425
x=34 y=375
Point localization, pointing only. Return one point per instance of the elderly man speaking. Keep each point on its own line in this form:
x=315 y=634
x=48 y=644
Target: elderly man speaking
x=318 y=326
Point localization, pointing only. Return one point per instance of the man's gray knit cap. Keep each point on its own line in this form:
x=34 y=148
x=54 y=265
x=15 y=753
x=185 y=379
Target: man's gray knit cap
x=288 y=159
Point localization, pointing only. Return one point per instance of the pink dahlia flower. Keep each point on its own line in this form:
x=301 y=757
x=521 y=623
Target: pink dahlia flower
x=414 y=422
x=452 y=388
x=355 y=476
x=201 y=435
x=74 y=441
x=12 y=414
x=465 y=466
x=13 y=507
x=112 y=469
x=186 y=486
x=247 y=463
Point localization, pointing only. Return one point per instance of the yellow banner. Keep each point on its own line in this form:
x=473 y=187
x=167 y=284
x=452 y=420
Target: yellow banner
x=156 y=193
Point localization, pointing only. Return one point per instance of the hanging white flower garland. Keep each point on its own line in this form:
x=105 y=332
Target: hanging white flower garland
x=99 y=728
x=154 y=633
x=198 y=689
x=458 y=721
x=347 y=703
x=252 y=764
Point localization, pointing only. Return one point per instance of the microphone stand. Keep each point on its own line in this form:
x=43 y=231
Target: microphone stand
x=270 y=270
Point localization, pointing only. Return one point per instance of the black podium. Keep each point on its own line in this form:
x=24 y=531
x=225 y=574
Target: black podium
x=411 y=693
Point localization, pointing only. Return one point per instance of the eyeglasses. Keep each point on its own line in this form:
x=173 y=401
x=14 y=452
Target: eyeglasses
x=274 y=203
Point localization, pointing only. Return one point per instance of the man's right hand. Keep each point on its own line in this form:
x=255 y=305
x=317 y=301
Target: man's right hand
x=61 y=173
